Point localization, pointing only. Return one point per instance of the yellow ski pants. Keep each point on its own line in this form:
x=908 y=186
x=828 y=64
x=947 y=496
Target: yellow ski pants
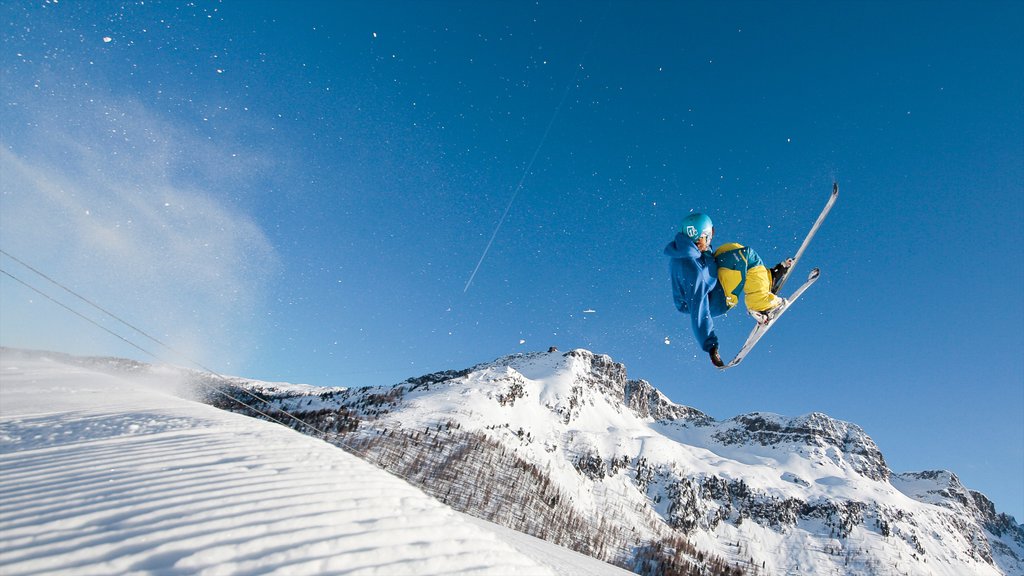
x=740 y=270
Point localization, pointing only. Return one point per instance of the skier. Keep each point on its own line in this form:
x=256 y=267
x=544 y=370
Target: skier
x=706 y=284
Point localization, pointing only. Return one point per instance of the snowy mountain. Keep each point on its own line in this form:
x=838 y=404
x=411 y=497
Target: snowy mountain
x=106 y=467
x=567 y=448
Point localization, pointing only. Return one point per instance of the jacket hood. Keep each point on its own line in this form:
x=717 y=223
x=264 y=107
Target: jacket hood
x=682 y=247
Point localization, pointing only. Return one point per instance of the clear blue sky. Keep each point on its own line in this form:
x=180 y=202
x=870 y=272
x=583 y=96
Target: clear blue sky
x=302 y=191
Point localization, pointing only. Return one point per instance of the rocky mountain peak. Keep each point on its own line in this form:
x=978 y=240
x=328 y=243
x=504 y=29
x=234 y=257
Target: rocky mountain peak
x=815 y=430
x=598 y=370
x=646 y=401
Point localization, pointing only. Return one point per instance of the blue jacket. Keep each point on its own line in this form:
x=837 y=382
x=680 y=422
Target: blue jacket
x=695 y=288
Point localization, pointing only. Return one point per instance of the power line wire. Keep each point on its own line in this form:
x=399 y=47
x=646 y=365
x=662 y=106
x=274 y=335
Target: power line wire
x=75 y=312
x=147 y=335
x=335 y=439
x=100 y=308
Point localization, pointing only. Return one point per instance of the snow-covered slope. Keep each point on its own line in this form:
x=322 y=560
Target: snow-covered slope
x=571 y=434
x=117 y=473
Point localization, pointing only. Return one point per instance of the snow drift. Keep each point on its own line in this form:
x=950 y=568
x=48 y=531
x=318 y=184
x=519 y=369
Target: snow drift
x=117 y=473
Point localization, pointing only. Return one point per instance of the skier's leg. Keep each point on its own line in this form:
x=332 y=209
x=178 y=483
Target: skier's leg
x=758 y=287
x=732 y=269
x=731 y=282
x=758 y=294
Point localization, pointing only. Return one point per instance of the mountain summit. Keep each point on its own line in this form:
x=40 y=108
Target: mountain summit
x=564 y=446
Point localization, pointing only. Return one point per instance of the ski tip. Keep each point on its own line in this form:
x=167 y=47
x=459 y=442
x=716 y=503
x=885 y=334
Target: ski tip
x=814 y=274
x=835 y=188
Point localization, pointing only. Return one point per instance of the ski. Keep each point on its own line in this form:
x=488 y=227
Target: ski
x=814 y=229
x=760 y=329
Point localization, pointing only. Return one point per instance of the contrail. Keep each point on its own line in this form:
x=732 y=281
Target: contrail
x=536 y=152
x=517 y=189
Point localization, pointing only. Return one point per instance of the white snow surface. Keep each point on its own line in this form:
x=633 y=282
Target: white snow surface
x=121 y=474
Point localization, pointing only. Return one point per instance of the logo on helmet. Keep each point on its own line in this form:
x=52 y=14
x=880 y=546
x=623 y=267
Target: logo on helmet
x=691 y=231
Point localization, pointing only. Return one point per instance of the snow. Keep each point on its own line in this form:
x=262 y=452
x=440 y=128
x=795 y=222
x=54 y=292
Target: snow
x=118 y=474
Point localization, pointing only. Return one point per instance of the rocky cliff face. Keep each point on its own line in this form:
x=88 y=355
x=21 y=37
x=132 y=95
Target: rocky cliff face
x=813 y=430
x=992 y=537
x=646 y=401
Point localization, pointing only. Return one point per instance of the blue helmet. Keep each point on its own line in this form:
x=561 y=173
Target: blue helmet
x=696 y=225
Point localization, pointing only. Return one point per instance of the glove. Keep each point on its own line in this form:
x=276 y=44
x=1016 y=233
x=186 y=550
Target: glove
x=715 y=358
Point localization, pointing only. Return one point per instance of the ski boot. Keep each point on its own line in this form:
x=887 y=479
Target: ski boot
x=763 y=317
x=779 y=272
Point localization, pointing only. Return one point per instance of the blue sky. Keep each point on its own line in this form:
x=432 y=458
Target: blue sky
x=302 y=192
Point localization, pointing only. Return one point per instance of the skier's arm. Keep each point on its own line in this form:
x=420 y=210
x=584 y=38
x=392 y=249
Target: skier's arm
x=700 y=311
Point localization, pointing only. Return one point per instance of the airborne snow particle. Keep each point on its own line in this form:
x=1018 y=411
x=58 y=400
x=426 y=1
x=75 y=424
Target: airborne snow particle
x=667 y=341
x=522 y=341
x=107 y=39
